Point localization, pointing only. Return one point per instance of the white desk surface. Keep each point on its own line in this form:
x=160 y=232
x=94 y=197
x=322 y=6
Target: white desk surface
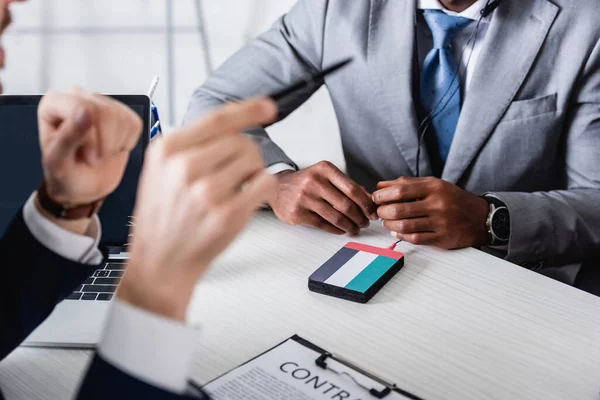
x=450 y=325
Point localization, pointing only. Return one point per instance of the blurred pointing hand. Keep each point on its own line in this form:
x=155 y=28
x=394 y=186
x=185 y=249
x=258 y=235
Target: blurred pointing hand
x=199 y=188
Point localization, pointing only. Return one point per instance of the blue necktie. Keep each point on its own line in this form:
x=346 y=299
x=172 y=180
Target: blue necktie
x=438 y=88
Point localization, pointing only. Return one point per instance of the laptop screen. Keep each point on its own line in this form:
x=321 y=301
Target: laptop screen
x=21 y=170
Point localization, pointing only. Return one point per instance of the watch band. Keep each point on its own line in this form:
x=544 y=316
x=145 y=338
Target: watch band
x=66 y=212
x=493 y=200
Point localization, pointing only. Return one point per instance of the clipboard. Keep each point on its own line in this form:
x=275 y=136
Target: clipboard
x=355 y=377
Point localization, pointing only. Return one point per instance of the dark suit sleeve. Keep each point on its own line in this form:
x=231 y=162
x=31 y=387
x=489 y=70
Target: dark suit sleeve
x=34 y=280
x=104 y=381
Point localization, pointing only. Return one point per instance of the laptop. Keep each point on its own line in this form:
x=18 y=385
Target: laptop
x=77 y=321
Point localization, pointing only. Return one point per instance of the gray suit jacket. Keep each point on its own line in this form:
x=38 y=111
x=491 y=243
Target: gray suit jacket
x=529 y=129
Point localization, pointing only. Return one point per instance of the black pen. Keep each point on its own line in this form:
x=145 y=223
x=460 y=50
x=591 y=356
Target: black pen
x=310 y=81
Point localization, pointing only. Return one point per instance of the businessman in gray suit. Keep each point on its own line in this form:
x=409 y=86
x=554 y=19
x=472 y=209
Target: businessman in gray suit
x=510 y=160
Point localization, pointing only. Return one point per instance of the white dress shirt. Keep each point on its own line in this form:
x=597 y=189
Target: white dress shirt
x=78 y=248
x=464 y=46
x=152 y=349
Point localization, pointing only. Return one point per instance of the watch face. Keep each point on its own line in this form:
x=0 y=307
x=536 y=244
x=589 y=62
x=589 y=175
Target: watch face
x=501 y=223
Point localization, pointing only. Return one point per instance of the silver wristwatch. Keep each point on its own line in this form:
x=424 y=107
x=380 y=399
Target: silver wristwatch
x=498 y=222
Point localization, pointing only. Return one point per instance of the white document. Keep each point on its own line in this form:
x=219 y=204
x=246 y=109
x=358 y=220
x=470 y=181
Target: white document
x=289 y=372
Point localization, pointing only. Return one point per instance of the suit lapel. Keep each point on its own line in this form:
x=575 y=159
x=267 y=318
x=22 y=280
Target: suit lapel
x=516 y=34
x=391 y=61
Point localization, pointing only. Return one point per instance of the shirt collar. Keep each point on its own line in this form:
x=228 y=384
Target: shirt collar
x=473 y=12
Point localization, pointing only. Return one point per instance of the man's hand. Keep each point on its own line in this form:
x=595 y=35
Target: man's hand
x=85 y=141
x=199 y=188
x=431 y=211
x=323 y=197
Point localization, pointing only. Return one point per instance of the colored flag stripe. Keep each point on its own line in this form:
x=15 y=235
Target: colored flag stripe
x=351 y=269
x=396 y=255
x=333 y=264
x=371 y=274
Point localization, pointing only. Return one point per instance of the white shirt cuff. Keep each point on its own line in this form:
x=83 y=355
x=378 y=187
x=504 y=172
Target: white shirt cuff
x=279 y=167
x=148 y=347
x=77 y=248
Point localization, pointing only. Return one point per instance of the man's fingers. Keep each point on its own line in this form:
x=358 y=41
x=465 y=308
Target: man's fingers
x=67 y=139
x=238 y=116
x=258 y=190
x=198 y=163
x=424 y=239
x=316 y=221
x=398 y=211
x=77 y=90
x=402 y=179
x=385 y=184
x=215 y=155
x=354 y=192
x=343 y=204
x=409 y=226
x=119 y=127
x=412 y=190
x=233 y=117
x=228 y=162
x=333 y=216
x=55 y=107
x=237 y=173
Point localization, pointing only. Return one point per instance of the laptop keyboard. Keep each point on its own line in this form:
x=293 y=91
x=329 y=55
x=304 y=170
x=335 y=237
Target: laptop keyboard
x=101 y=285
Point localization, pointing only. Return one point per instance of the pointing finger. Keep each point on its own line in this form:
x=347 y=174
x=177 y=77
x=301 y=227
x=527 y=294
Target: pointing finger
x=259 y=190
x=233 y=117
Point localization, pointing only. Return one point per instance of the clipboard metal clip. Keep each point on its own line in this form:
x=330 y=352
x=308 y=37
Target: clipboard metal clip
x=321 y=362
